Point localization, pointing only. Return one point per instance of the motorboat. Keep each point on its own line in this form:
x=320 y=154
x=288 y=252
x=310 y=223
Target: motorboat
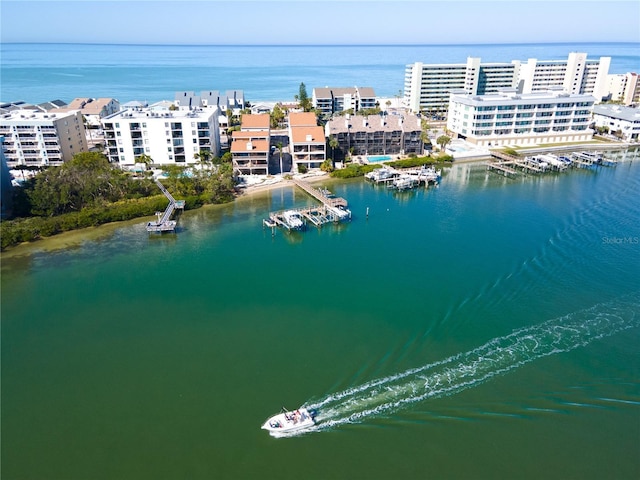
x=293 y=219
x=287 y=421
x=340 y=213
x=380 y=174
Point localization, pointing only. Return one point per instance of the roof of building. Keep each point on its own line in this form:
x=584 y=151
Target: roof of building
x=247 y=134
x=258 y=121
x=374 y=123
x=629 y=114
x=242 y=145
x=303 y=119
x=331 y=92
x=307 y=135
x=511 y=96
x=89 y=106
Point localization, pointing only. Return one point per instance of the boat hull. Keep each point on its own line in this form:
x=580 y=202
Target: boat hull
x=289 y=421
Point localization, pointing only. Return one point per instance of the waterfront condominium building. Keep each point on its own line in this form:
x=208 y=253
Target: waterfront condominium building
x=427 y=86
x=620 y=120
x=230 y=100
x=330 y=100
x=306 y=140
x=250 y=145
x=168 y=134
x=93 y=109
x=510 y=118
x=624 y=88
x=375 y=135
x=39 y=138
x=576 y=74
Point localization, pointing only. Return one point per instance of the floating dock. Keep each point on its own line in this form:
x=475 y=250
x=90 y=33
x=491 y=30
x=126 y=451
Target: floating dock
x=164 y=222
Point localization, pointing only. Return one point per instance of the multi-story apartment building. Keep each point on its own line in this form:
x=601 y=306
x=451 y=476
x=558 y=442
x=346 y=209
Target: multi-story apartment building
x=624 y=88
x=375 y=135
x=625 y=121
x=250 y=146
x=306 y=140
x=41 y=138
x=576 y=74
x=427 y=86
x=330 y=100
x=93 y=109
x=168 y=135
x=230 y=100
x=509 y=118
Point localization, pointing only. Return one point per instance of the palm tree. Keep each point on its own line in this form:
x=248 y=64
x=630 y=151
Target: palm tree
x=443 y=141
x=333 y=144
x=279 y=145
x=424 y=135
x=145 y=159
x=204 y=156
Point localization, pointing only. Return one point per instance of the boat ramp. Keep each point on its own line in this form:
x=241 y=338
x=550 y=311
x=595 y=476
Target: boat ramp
x=331 y=210
x=511 y=165
x=164 y=222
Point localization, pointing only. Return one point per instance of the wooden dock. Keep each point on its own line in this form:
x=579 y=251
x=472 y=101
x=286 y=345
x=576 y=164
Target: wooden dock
x=164 y=222
x=320 y=195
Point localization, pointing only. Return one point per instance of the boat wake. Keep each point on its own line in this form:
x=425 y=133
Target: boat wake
x=466 y=370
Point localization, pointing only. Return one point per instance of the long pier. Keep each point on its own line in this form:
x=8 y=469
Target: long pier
x=320 y=195
x=164 y=223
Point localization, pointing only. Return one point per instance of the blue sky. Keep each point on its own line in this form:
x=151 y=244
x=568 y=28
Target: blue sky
x=303 y=22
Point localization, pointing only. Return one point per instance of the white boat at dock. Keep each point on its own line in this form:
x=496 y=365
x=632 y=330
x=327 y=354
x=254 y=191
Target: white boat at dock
x=287 y=421
x=381 y=174
x=293 y=219
x=340 y=213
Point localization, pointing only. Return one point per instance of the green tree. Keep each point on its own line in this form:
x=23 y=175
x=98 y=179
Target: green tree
x=277 y=116
x=424 y=134
x=303 y=98
x=204 y=156
x=86 y=180
x=279 y=146
x=443 y=141
x=333 y=144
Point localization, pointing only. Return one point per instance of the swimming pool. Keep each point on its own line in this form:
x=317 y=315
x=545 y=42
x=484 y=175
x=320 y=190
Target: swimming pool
x=378 y=158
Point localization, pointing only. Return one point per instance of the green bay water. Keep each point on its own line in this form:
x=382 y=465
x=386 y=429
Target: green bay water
x=487 y=328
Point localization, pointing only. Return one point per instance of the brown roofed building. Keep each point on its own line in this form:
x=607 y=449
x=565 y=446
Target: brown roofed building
x=376 y=135
x=250 y=145
x=261 y=121
x=330 y=100
x=307 y=141
x=93 y=109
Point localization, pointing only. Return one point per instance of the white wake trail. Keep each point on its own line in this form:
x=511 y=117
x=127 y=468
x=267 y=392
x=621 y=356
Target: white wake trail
x=466 y=370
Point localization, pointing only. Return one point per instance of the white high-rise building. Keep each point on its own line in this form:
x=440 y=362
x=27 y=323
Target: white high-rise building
x=38 y=138
x=624 y=88
x=510 y=118
x=427 y=86
x=169 y=135
x=576 y=74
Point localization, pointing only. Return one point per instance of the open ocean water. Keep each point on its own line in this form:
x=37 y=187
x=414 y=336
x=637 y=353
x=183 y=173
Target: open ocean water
x=37 y=73
x=487 y=328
